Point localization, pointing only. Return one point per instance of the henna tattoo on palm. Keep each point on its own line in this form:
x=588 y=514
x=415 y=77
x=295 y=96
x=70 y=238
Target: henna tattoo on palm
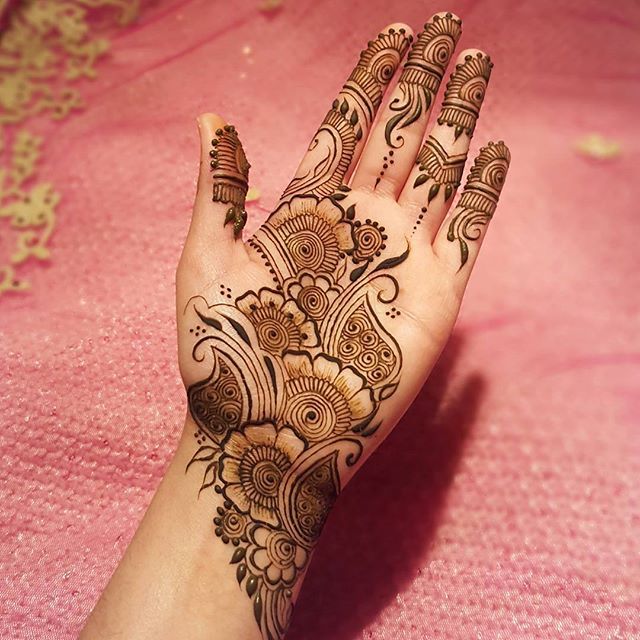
x=298 y=371
x=294 y=374
x=479 y=198
x=297 y=377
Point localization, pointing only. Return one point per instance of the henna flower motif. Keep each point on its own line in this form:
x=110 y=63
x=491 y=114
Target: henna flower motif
x=313 y=294
x=280 y=324
x=322 y=398
x=314 y=233
x=276 y=556
x=231 y=525
x=368 y=240
x=253 y=464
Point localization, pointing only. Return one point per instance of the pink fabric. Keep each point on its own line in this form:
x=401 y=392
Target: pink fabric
x=506 y=504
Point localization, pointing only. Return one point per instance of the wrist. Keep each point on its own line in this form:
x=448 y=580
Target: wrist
x=269 y=499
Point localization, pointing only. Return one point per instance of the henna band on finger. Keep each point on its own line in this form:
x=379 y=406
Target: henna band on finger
x=422 y=74
x=465 y=92
x=230 y=171
x=479 y=199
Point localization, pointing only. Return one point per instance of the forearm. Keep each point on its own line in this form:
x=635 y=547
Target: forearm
x=174 y=581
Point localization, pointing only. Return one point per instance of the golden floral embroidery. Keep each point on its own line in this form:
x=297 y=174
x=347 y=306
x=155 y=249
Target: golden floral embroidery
x=46 y=46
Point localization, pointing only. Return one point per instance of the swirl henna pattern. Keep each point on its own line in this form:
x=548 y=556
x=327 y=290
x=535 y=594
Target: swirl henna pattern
x=297 y=376
x=480 y=196
x=422 y=74
x=352 y=112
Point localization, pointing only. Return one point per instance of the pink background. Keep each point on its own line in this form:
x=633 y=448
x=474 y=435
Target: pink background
x=506 y=503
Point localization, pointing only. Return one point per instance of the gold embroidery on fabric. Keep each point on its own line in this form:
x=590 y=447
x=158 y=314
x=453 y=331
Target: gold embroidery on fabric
x=47 y=45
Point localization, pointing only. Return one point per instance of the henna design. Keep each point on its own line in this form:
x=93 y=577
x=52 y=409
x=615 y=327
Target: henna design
x=280 y=324
x=304 y=234
x=437 y=165
x=422 y=74
x=480 y=196
x=420 y=79
x=368 y=241
x=464 y=94
x=332 y=149
x=297 y=376
x=230 y=175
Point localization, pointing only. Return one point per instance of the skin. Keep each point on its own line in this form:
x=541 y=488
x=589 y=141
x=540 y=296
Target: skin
x=176 y=580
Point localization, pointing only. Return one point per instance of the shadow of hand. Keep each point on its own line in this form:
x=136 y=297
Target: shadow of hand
x=389 y=514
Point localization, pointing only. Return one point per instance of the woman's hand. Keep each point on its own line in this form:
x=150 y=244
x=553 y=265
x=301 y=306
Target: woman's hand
x=301 y=347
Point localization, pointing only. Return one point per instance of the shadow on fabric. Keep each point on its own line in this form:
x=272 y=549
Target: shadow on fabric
x=387 y=517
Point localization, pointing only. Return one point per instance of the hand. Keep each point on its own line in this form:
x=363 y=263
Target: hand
x=302 y=347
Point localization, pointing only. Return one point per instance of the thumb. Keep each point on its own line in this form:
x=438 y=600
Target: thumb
x=218 y=213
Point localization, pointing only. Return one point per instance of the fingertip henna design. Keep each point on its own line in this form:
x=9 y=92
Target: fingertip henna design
x=297 y=375
x=465 y=92
x=420 y=78
x=332 y=149
x=480 y=196
x=422 y=74
x=230 y=171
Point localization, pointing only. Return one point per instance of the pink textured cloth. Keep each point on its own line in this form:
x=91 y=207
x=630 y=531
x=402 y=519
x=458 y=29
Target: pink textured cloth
x=506 y=503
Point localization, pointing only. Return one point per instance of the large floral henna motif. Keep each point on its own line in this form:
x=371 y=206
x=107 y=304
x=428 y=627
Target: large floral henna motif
x=296 y=376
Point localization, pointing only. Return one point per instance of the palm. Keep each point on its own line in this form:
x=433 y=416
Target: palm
x=304 y=345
